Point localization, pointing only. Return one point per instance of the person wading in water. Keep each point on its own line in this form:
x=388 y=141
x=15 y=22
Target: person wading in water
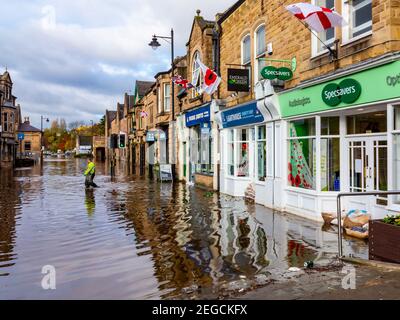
x=90 y=173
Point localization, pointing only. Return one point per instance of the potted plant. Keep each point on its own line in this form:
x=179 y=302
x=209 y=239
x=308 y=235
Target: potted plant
x=384 y=236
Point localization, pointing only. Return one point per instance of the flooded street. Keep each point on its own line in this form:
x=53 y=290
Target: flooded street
x=136 y=239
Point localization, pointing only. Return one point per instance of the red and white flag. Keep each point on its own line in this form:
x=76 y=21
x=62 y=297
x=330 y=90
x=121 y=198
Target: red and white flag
x=181 y=81
x=318 y=18
x=211 y=80
x=143 y=114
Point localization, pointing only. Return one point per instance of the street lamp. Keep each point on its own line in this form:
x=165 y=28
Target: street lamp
x=41 y=138
x=155 y=44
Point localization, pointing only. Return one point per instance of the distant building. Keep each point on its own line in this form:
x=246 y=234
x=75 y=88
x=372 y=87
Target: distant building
x=31 y=143
x=10 y=119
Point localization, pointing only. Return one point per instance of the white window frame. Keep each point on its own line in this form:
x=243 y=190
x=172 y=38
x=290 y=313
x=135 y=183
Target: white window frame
x=347 y=13
x=159 y=105
x=246 y=64
x=264 y=140
x=315 y=42
x=196 y=75
x=167 y=98
x=256 y=56
x=237 y=148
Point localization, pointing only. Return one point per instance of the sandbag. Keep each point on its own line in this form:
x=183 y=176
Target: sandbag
x=356 y=218
x=360 y=234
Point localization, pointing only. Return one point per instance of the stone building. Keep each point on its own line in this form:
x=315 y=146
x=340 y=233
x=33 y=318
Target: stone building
x=31 y=144
x=10 y=119
x=136 y=121
x=330 y=127
x=197 y=133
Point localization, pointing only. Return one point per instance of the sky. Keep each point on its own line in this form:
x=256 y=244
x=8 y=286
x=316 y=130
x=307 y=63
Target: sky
x=74 y=59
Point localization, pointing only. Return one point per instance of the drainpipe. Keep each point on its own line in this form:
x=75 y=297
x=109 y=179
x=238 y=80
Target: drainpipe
x=217 y=61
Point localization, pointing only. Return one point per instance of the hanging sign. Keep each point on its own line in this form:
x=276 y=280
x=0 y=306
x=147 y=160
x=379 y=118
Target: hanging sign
x=271 y=73
x=239 y=80
x=347 y=91
x=151 y=136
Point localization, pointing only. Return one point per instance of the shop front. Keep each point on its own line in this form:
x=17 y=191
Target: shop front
x=248 y=152
x=151 y=151
x=343 y=135
x=198 y=146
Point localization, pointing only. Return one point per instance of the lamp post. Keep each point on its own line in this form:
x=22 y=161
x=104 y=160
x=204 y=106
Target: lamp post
x=91 y=121
x=155 y=44
x=41 y=136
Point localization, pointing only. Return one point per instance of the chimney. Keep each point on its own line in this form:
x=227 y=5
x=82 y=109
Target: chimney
x=26 y=120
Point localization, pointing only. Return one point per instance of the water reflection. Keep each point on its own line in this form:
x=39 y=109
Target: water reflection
x=143 y=239
x=90 y=201
x=9 y=201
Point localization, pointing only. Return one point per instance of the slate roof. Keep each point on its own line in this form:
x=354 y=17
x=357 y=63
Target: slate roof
x=26 y=127
x=142 y=87
x=111 y=116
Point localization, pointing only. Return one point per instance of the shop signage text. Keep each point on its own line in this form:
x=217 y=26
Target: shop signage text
x=198 y=116
x=242 y=115
x=239 y=80
x=393 y=80
x=272 y=73
x=368 y=86
x=347 y=91
x=299 y=102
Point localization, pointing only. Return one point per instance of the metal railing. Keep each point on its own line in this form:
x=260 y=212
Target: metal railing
x=339 y=211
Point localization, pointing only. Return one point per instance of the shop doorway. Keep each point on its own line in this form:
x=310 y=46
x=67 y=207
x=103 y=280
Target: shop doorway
x=368 y=164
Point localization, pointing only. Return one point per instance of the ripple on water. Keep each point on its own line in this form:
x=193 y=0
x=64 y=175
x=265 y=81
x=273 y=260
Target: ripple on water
x=137 y=239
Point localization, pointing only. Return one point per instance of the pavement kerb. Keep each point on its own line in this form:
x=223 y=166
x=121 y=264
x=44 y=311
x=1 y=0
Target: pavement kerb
x=376 y=264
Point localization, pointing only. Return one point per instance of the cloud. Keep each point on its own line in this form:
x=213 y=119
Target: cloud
x=74 y=59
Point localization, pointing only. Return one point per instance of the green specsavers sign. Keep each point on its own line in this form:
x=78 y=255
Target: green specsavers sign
x=380 y=83
x=272 y=73
x=347 y=91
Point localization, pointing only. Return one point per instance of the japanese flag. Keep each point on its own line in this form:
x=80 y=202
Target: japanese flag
x=211 y=80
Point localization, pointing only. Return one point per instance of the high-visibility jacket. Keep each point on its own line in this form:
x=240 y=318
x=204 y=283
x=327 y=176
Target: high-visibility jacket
x=90 y=169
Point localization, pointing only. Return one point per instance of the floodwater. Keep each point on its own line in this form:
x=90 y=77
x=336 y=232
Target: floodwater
x=132 y=238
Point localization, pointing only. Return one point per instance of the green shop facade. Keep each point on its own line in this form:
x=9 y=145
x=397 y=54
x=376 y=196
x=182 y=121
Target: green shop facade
x=343 y=135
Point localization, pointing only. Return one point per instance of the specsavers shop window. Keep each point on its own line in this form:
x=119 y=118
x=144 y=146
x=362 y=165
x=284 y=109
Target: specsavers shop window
x=302 y=154
x=303 y=162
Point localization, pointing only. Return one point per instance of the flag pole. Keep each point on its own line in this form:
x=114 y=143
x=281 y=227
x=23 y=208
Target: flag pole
x=332 y=52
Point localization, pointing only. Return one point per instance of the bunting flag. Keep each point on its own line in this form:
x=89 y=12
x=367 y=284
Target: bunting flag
x=211 y=80
x=143 y=114
x=317 y=18
x=182 y=82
